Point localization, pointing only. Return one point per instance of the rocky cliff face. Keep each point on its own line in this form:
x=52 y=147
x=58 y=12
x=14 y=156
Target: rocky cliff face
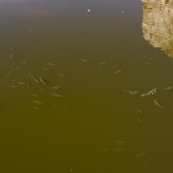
x=157 y=24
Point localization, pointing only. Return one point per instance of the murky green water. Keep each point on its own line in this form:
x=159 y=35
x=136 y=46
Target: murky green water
x=98 y=51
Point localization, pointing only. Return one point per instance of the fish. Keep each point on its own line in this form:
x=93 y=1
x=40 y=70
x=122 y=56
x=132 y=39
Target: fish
x=36 y=107
x=12 y=66
x=29 y=75
x=38 y=102
x=134 y=84
x=46 y=69
x=118 y=71
x=105 y=149
x=35 y=95
x=30 y=30
x=42 y=81
x=12 y=55
x=17 y=68
x=13 y=86
x=103 y=63
x=62 y=75
x=142 y=121
x=168 y=88
x=83 y=60
x=157 y=103
x=56 y=87
x=122 y=142
x=10 y=72
x=121 y=149
x=115 y=66
x=60 y=96
x=150 y=92
x=50 y=63
x=41 y=90
x=28 y=86
x=22 y=83
x=12 y=49
x=122 y=58
x=143 y=154
x=7 y=76
x=24 y=62
x=131 y=92
x=147 y=63
x=139 y=111
x=36 y=80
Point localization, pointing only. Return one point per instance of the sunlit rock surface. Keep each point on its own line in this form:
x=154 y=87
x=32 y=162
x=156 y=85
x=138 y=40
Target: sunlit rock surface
x=157 y=24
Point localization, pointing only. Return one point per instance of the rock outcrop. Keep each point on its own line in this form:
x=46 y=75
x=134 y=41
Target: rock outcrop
x=157 y=24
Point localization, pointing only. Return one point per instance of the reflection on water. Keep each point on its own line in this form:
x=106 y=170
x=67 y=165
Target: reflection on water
x=157 y=24
x=82 y=91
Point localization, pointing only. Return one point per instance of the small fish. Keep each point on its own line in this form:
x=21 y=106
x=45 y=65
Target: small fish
x=35 y=95
x=24 y=62
x=147 y=63
x=17 y=68
x=41 y=90
x=29 y=75
x=36 y=107
x=22 y=83
x=157 y=103
x=83 y=60
x=50 y=64
x=121 y=149
x=143 y=154
x=36 y=80
x=122 y=58
x=62 y=75
x=131 y=92
x=139 y=57
x=28 y=86
x=12 y=55
x=105 y=149
x=66 y=106
x=46 y=69
x=142 y=121
x=24 y=100
x=30 y=30
x=103 y=63
x=122 y=142
x=162 y=72
x=7 y=76
x=115 y=66
x=60 y=96
x=10 y=72
x=150 y=92
x=32 y=77
x=12 y=66
x=118 y=71
x=42 y=81
x=56 y=87
x=168 y=88
x=12 y=86
x=138 y=111
x=12 y=49
x=134 y=84
x=38 y=102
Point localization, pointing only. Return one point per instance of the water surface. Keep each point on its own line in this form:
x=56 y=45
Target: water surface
x=99 y=126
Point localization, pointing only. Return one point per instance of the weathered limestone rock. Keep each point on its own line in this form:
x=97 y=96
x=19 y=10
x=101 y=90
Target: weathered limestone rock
x=157 y=24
